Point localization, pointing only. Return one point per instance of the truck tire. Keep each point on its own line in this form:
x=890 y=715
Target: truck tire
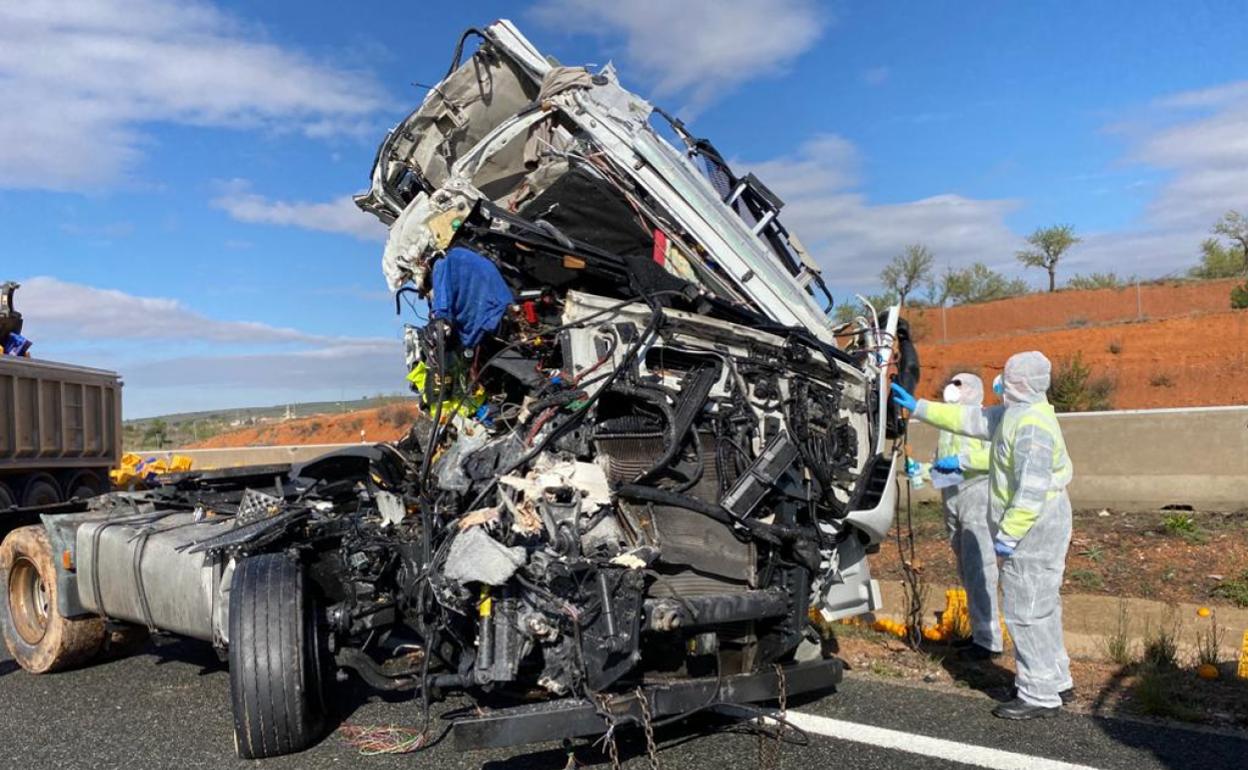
x=83 y=486
x=275 y=671
x=7 y=498
x=41 y=490
x=37 y=636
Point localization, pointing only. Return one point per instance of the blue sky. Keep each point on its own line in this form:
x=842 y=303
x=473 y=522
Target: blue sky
x=174 y=176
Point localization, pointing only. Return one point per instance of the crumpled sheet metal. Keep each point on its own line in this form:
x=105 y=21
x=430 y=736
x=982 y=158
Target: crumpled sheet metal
x=475 y=557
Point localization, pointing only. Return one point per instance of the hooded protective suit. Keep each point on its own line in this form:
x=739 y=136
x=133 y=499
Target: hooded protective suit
x=968 y=519
x=1029 y=472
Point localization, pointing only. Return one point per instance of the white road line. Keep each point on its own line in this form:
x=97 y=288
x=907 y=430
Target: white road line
x=966 y=753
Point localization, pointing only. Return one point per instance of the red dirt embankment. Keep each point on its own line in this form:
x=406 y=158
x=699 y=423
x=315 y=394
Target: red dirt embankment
x=1070 y=309
x=1189 y=350
x=387 y=423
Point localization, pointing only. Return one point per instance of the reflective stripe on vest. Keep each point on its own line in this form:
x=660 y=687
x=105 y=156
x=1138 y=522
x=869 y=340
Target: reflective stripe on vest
x=1042 y=416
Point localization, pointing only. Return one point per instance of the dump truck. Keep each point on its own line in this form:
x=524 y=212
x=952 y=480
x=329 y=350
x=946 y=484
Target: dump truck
x=60 y=425
x=646 y=459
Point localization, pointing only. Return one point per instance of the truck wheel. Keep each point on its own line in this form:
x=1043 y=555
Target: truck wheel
x=41 y=490
x=83 y=486
x=7 y=498
x=38 y=637
x=275 y=671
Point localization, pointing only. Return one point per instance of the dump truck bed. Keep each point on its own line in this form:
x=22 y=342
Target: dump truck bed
x=56 y=419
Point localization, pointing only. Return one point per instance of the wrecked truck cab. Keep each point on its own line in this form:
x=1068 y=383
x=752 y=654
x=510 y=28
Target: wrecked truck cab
x=645 y=455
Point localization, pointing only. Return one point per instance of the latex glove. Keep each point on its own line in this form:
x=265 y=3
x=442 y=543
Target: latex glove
x=1003 y=549
x=947 y=464
x=903 y=399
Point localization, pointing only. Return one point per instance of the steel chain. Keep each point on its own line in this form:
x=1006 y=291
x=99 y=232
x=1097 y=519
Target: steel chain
x=613 y=750
x=646 y=719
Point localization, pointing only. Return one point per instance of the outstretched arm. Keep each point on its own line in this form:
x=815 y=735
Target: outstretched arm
x=972 y=421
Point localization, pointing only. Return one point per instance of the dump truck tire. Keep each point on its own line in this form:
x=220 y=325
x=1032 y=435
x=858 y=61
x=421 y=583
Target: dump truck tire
x=7 y=498
x=83 y=486
x=41 y=490
x=37 y=636
x=275 y=675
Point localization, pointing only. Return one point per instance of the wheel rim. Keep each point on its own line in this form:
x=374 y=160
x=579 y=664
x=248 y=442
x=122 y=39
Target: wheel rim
x=29 y=600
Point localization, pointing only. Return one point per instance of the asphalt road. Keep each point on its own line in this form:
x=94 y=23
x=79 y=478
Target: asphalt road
x=169 y=707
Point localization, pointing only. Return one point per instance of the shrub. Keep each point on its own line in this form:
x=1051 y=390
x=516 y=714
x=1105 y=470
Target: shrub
x=1095 y=281
x=1239 y=297
x=1180 y=524
x=1074 y=389
x=1161 y=647
x=1115 y=347
x=1161 y=380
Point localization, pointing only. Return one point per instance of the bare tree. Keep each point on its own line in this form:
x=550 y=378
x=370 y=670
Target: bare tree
x=908 y=270
x=1049 y=244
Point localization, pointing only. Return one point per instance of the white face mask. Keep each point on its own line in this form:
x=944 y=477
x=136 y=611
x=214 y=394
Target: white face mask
x=952 y=394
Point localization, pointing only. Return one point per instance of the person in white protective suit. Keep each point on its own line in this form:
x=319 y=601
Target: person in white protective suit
x=968 y=519
x=1029 y=472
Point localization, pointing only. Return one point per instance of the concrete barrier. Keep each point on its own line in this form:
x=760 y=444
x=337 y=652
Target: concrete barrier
x=210 y=459
x=1146 y=458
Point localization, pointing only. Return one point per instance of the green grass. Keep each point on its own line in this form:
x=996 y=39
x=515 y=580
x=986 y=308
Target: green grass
x=1179 y=524
x=1086 y=578
x=1184 y=525
x=880 y=668
x=1094 y=553
x=1234 y=590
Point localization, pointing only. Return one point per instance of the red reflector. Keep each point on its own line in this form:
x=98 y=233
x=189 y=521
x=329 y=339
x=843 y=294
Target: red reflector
x=660 y=247
x=530 y=312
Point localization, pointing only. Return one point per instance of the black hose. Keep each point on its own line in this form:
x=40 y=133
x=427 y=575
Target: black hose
x=458 y=56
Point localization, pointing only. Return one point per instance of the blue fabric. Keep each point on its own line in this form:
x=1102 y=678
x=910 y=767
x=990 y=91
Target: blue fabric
x=1004 y=550
x=947 y=465
x=469 y=292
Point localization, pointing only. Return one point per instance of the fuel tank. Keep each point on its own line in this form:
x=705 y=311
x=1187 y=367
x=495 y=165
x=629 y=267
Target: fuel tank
x=140 y=571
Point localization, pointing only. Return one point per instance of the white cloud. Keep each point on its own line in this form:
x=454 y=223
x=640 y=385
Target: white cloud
x=696 y=48
x=167 y=353
x=875 y=76
x=340 y=215
x=1200 y=139
x=56 y=311
x=82 y=82
x=852 y=237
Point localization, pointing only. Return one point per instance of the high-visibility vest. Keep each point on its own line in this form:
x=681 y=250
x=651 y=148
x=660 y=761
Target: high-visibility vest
x=1018 y=519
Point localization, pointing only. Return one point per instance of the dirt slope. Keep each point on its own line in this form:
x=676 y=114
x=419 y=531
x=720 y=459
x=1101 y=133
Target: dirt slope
x=386 y=423
x=1189 y=350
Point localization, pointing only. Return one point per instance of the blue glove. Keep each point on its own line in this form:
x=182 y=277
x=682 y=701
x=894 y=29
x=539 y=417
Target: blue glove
x=902 y=398
x=1004 y=550
x=947 y=464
